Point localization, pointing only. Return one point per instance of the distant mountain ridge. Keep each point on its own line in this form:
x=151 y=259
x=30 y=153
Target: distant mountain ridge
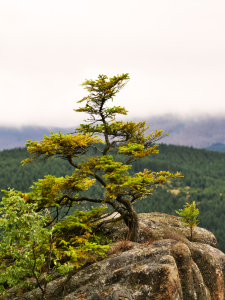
x=207 y=132
x=14 y=137
x=200 y=132
x=216 y=147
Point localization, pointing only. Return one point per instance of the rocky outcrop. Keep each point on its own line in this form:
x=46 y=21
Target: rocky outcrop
x=163 y=265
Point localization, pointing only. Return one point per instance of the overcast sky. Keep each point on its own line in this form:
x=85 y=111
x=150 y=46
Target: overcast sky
x=174 y=52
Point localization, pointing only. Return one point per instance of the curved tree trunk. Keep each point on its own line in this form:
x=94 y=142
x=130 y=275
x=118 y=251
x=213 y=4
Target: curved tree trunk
x=131 y=220
x=132 y=223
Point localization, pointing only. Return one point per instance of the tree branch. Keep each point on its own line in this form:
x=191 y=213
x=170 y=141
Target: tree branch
x=69 y=158
x=115 y=220
x=78 y=167
x=83 y=198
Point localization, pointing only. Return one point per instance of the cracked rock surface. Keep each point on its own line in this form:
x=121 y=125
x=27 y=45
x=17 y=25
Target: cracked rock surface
x=163 y=265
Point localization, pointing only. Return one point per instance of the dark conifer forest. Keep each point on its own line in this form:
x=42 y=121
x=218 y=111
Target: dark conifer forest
x=203 y=181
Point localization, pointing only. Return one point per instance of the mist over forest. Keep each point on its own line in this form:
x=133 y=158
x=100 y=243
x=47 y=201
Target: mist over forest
x=193 y=132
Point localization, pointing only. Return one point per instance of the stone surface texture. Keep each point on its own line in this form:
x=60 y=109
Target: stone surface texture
x=163 y=265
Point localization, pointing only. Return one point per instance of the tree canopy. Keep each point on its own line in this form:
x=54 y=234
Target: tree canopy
x=119 y=138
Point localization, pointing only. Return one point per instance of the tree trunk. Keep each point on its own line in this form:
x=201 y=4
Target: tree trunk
x=132 y=223
x=131 y=220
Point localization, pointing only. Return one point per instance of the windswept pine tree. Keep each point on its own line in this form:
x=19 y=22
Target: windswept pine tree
x=127 y=139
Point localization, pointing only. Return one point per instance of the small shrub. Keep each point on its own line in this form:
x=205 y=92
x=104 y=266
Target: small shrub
x=189 y=215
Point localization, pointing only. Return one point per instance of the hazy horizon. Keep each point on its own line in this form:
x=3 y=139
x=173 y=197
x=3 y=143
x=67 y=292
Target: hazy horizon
x=148 y=119
x=198 y=133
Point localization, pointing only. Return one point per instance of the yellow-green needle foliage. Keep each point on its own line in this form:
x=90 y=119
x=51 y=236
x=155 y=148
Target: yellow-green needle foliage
x=189 y=215
x=119 y=139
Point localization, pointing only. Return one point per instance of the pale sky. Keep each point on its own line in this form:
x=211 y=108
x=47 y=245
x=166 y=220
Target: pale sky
x=173 y=50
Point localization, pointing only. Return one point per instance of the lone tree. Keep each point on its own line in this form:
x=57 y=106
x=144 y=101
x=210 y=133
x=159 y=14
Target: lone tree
x=121 y=191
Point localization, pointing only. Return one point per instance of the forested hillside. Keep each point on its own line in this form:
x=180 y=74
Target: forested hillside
x=203 y=181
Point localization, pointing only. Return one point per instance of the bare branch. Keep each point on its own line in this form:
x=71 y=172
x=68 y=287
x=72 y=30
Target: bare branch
x=117 y=219
x=69 y=158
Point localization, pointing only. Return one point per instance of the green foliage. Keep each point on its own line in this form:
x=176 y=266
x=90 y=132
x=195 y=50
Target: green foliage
x=189 y=215
x=28 y=248
x=59 y=145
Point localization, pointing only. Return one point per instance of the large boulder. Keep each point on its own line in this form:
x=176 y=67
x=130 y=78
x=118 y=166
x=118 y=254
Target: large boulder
x=163 y=265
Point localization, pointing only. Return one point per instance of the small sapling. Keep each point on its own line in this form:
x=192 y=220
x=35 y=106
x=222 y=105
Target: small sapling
x=189 y=215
